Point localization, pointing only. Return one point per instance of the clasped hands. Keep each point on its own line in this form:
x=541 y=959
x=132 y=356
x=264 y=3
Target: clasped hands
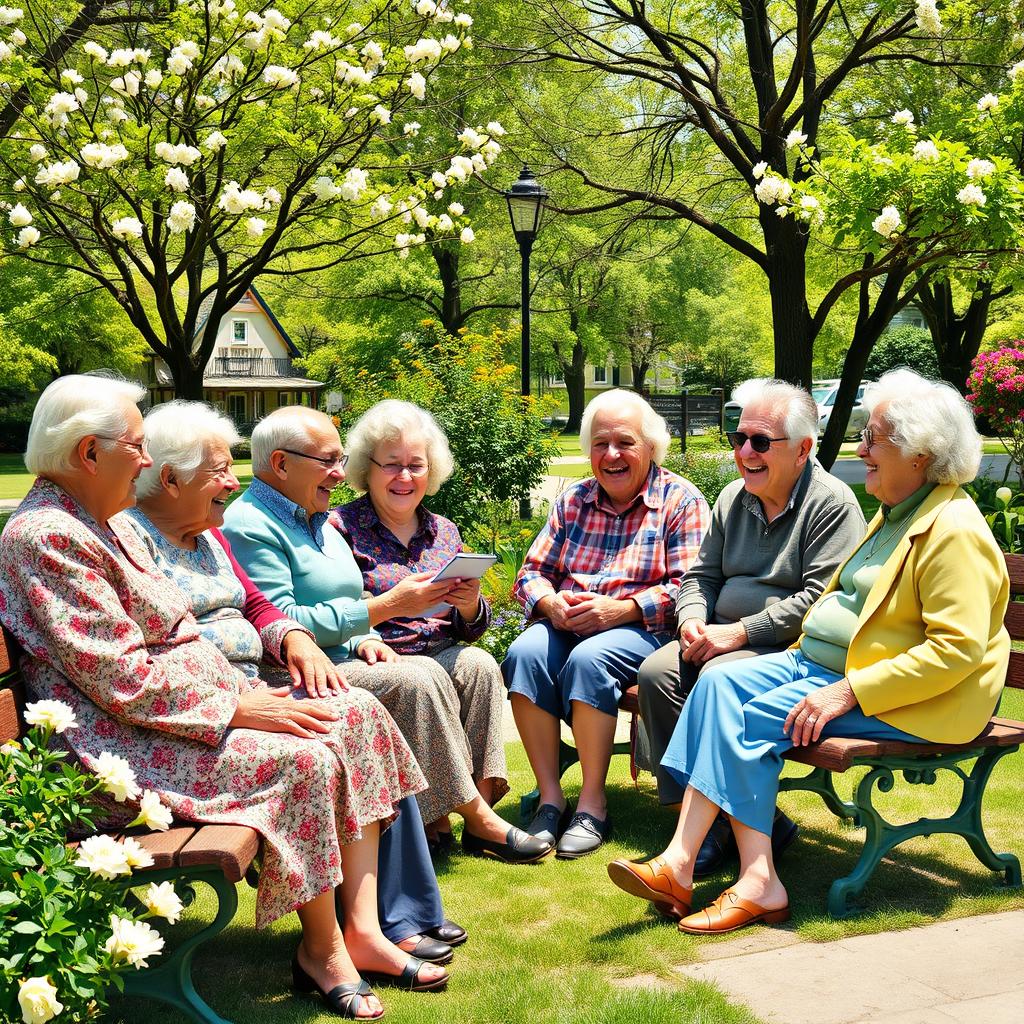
x=700 y=642
x=586 y=614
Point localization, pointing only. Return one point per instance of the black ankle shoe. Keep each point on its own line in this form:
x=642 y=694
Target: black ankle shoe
x=519 y=847
x=718 y=846
x=448 y=931
x=344 y=1000
x=430 y=949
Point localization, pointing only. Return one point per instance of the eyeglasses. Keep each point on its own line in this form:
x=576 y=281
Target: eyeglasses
x=759 y=442
x=395 y=468
x=138 y=446
x=869 y=439
x=329 y=463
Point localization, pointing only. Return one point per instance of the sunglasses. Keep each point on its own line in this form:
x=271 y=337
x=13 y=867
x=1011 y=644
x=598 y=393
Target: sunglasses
x=759 y=442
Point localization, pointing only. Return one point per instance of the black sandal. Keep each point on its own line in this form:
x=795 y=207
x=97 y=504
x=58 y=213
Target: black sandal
x=345 y=1000
x=431 y=950
x=408 y=979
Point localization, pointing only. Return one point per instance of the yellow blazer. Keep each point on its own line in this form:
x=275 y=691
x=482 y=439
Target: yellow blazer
x=930 y=651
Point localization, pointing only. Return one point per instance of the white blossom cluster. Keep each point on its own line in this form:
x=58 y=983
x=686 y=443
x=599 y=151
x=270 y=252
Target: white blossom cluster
x=904 y=117
x=928 y=19
x=971 y=195
x=927 y=151
x=988 y=103
x=888 y=222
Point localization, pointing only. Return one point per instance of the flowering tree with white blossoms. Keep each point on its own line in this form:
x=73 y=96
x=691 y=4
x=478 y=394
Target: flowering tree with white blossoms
x=176 y=158
x=67 y=930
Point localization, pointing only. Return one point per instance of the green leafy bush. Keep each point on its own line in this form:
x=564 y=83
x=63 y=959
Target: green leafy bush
x=708 y=468
x=995 y=390
x=1003 y=511
x=68 y=929
x=500 y=445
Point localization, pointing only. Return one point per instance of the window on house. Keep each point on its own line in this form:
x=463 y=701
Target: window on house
x=600 y=375
x=236 y=407
x=284 y=398
x=557 y=378
x=240 y=331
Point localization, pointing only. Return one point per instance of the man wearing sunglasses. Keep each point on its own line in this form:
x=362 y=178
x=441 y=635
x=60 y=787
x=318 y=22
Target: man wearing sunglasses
x=777 y=534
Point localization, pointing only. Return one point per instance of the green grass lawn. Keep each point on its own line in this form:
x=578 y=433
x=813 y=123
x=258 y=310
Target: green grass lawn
x=557 y=942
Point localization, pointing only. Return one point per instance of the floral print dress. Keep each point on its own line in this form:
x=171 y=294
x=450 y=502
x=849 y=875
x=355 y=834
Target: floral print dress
x=104 y=631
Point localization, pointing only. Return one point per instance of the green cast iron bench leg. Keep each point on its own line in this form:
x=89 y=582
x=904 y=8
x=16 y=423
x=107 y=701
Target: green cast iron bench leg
x=822 y=782
x=883 y=836
x=170 y=979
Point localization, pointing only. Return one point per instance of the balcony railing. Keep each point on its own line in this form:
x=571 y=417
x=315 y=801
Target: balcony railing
x=248 y=366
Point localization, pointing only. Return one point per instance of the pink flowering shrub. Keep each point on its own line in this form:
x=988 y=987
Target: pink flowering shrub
x=995 y=389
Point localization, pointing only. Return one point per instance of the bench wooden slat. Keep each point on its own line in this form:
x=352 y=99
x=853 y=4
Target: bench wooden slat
x=1014 y=619
x=12 y=700
x=164 y=847
x=232 y=848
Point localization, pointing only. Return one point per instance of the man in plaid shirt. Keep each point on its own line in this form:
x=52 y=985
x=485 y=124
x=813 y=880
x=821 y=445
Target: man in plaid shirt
x=600 y=583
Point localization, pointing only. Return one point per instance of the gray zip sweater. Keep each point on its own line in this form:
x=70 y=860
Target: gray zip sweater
x=766 y=575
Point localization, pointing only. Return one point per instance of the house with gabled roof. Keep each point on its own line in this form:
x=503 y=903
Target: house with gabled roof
x=251 y=370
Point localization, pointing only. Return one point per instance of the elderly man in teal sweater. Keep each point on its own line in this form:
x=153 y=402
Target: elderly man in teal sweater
x=280 y=533
x=776 y=536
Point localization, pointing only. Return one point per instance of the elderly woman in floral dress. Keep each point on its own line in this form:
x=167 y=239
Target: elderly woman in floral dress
x=103 y=632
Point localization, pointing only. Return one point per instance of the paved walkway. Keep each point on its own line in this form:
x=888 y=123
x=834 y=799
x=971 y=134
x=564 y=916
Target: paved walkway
x=967 y=971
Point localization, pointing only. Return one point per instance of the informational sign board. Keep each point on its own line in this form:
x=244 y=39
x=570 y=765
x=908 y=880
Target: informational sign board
x=687 y=414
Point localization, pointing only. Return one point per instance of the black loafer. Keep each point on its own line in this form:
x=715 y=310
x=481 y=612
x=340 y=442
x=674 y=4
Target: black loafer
x=584 y=835
x=718 y=846
x=448 y=932
x=434 y=952
x=519 y=847
x=784 y=831
x=549 y=823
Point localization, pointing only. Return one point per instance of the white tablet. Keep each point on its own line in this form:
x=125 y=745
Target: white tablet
x=465 y=566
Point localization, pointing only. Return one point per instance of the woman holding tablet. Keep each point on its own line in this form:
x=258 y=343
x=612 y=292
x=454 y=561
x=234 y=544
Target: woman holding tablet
x=398 y=455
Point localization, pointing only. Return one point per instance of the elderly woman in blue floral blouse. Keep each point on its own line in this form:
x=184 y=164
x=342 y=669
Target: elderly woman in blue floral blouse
x=398 y=455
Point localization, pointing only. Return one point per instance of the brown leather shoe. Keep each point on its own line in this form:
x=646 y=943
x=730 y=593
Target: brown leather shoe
x=654 y=881
x=729 y=913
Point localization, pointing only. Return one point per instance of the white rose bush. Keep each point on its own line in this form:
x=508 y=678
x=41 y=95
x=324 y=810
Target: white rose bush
x=69 y=926
x=174 y=160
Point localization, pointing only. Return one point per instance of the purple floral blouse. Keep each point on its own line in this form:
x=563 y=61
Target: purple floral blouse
x=384 y=560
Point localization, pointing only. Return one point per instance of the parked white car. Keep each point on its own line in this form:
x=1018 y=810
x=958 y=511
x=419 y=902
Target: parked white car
x=824 y=393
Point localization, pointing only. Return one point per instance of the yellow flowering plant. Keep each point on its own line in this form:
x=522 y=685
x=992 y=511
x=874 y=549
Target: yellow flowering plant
x=69 y=926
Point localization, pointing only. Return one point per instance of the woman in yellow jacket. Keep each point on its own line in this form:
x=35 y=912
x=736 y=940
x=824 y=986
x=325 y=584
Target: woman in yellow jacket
x=906 y=643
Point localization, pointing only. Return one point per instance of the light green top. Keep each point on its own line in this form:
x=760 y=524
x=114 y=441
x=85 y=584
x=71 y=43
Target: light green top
x=832 y=621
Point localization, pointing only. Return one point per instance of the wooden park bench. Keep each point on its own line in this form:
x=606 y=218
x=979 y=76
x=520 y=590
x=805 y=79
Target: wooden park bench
x=918 y=763
x=219 y=855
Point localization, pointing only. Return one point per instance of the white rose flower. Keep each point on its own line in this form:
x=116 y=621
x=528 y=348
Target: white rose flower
x=887 y=221
x=1016 y=71
x=421 y=216
x=445 y=223
x=178 y=64
x=795 y=138
x=162 y=901
x=424 y=50
x=95 y=51
x=325 y=189
x=381 y=208
x=451 y=43
x=759 y=168
x=189 y=48
x=461 y=168
x=102 y=156
x=214 y=141
x=120 y=58
x=438 y=179
x=11 y=15
x=255 y=227
x=417 y=85
x=971 y=195
x=181 y=218
x=6 y=53
x=27 y=237
x=494 y=129
x=36 y=996
x=37 y=153
x=176 y=179
x=372 y=54
x=382 y=114
x=321 y=40
x=61 y=104
x=904 y=117
x=782 y=212
x=354 y=185
x=72 y=77
x=141 y=56
x=926 y=150
x=278 y=77
x=152 y=813
x=112 y=770
x=20 y=185
x=136 y=855
x=133 y=941
x=988 y=102
x=490 y=150
x=928 y=19
x=271 y=197
x=411 y=128
x=466 y=236
x=980 y=169
x=456 y=209
x=153 y=78
x=19 y=218
x=103 y=856
x=18 y=38
x=773 y=189
x=60 y=173
x=471 y=138
x=463 y=20
x=426 y=8
x=276 y=20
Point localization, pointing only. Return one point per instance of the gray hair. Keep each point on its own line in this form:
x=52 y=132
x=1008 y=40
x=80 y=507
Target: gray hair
x=929 y=417
x=286 y=427
x=653 y=428
x=179 y=435
x=799 y=410
x=74 y=407
x=390 y=421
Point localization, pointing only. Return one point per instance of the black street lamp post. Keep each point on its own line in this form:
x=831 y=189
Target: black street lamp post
x=526 y=201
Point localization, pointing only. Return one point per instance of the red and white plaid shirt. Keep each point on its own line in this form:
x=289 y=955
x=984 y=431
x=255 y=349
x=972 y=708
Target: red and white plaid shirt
x=640 y=554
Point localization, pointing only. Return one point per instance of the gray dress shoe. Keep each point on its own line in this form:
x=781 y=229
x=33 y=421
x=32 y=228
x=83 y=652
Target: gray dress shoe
x=549 y=822
x=584 y=835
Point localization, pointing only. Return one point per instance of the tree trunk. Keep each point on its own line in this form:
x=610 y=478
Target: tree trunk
x=957 y=339
x=787 y=287
x=188 y=378
x=447 y=261
x=639 y=373
x=575 y=375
